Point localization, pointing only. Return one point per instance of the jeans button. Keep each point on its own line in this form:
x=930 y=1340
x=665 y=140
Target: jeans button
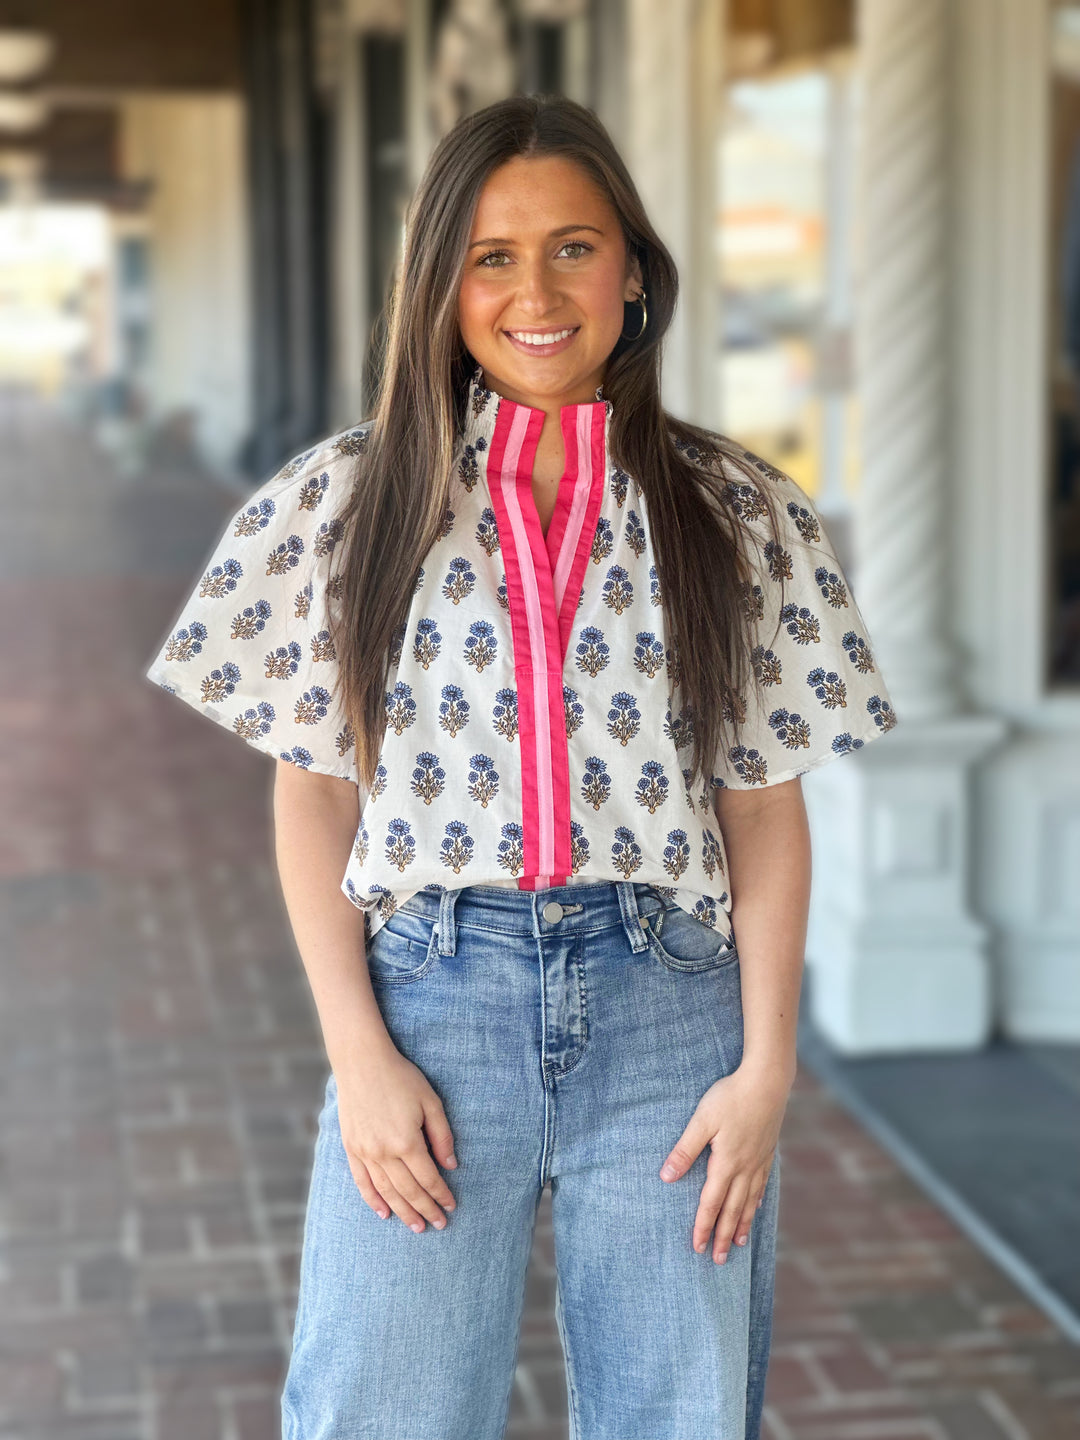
x=553 y=912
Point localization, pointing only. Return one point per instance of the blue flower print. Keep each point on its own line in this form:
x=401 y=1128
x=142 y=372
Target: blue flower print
x=483 y=779
x=831 y=586
x=460 y=580
x=829 y=688
x=619 y=482
x=504 y=713
x=428 y=642
x=400 y=708
x=250 y=621
x=255 y=517
x=617 y=590
x=487 y=533
x=883 y=713
x=648 y=653
x=312 y=491
x=511 y=851
x=185 y=643
x=457 y=849
x=654 y=586
x=579 y=847
x=220 y=684
x=428 y=778
x=596 y=782
x=676 y=856
x=801 y=624
x=361 y=843
x=480 y=645
x=712 y=856
x=859 y=653
x=635 y=533
x=806 y=524
x=626 y=853
x=624 y=718
x=221 y=579
x=603 y=541
x=749 y=765
x=285 y=557
x=790 y=729
x=312 y=705
x=297 y=756
x=378 y=783
x=593 y=651
x=652 y=788
x=400 y=843
x=284 y=661
x=768 y=666
x=573 y=710
x=453 y=709
x=446 y=524
x=255 y=721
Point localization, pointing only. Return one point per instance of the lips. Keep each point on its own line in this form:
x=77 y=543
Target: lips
x=542 y=347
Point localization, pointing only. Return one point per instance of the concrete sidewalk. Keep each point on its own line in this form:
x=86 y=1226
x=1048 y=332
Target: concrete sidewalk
x=161 y=1071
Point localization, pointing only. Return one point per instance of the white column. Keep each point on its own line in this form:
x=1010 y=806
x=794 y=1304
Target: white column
x=672 y=135
x=898 y=959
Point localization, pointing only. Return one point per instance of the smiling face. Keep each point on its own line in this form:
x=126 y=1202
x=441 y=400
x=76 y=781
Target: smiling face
x=547 y=260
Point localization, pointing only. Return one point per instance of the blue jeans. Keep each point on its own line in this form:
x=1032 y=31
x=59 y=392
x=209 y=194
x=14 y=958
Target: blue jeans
x=570 y=1044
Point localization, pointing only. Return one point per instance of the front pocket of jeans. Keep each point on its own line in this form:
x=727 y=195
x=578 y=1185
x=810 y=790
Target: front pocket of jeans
x=402 y=949
x=681 y=942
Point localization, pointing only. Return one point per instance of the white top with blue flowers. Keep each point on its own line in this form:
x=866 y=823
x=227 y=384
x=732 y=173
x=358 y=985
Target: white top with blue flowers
x=535 y=732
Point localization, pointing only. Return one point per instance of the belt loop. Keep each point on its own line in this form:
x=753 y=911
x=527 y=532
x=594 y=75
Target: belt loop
x=631 y=915
x=447 y=927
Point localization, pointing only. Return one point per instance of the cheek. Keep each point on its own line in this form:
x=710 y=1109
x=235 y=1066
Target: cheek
x=476 y=309
x=600 y=296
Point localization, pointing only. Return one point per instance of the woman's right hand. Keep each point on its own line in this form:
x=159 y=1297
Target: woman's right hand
x=383 y=1112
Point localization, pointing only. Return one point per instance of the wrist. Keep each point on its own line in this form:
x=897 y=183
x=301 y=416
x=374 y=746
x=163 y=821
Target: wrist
x=770 y=1068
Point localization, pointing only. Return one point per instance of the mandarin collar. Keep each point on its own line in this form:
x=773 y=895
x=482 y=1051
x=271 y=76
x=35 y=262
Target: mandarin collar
x=482 y=406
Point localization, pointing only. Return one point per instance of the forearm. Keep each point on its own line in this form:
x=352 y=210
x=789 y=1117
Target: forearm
x=767 y=840
x=315 y=823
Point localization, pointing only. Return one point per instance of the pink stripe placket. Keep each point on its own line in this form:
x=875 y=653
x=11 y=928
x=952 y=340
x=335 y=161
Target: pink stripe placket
x=543 y=584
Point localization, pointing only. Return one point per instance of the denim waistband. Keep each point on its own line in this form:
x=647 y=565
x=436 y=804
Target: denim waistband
x=580 y=908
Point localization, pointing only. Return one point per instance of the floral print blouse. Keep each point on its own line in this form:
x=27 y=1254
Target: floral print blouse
x=535 y=733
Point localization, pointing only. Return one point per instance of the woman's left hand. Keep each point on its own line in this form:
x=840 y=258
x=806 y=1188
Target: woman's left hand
x=740 y=1117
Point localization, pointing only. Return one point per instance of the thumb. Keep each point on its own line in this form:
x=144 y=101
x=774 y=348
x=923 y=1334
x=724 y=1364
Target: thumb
x=683 y=1154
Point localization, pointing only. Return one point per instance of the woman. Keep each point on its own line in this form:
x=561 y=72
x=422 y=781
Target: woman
x=541 y=665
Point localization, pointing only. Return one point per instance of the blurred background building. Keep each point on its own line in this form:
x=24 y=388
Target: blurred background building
x=875 y=208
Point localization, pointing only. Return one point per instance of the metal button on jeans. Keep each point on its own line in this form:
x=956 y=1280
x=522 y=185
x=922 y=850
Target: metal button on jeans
x=553 y=912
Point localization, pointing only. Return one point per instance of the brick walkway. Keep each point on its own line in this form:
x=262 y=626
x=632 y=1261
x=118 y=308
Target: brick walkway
x=160 y=1070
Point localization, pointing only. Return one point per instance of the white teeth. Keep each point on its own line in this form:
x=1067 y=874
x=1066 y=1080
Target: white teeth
x=542 y=339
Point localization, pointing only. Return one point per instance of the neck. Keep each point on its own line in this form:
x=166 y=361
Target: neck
x=583 y=394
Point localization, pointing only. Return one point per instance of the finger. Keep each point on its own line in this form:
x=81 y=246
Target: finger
x=409 y=1188
x=729 y=1216
x=709 y=1207
x=682 y=1156
x=393 y=1197
x=366 y=1186
x=427 y=1174
x=440 y=1136
x=746 y=1219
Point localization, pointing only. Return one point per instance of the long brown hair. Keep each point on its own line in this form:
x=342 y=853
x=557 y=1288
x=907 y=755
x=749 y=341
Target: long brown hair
x=402 y=485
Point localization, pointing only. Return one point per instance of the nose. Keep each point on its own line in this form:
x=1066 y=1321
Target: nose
x=538 y=291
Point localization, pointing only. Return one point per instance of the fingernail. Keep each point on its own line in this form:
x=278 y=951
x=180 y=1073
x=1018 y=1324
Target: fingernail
x=722 y=1259
x=417 y=1227
x=452 y=1162
x=741 y=1240
x=382 y=1214
x=668 y=1172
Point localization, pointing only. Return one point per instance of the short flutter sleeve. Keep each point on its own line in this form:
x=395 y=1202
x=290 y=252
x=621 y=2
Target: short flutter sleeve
x=820 y=693
x=251 y=648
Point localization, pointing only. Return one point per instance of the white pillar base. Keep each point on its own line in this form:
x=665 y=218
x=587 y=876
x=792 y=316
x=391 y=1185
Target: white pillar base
x=899 y=962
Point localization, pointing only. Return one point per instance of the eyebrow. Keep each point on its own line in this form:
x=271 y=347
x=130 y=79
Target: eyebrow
x=552 y=235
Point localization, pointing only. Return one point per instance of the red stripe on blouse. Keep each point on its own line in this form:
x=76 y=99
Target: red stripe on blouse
x=543 y=586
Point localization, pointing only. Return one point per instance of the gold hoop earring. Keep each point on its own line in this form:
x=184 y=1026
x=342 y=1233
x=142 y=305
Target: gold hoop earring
x=644 y=319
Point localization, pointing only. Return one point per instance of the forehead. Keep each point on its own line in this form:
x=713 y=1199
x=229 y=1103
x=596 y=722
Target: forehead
x=540 y=193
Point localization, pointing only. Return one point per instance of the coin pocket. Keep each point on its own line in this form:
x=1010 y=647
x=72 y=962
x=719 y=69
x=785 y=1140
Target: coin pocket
x=402 y=949
x=682 y=942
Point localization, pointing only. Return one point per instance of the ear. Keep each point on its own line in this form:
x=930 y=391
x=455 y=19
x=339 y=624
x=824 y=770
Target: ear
x=634 y=281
